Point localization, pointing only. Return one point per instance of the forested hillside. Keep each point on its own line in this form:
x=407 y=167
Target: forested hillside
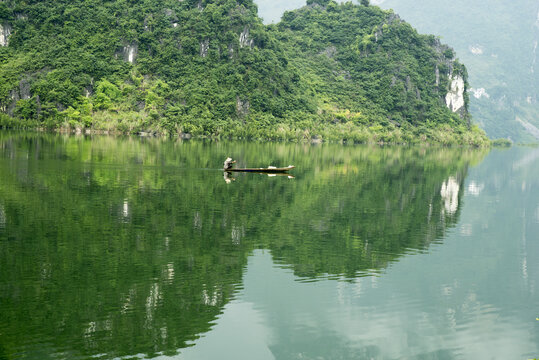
x=327 y=71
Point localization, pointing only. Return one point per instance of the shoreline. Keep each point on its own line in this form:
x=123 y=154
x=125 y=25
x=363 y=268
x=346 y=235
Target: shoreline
x=442 y=136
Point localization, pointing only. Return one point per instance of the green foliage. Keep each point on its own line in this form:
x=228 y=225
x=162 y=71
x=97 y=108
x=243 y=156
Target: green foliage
x=26 y=109
x=5 y=12
x=319 y=2
x=213 y=69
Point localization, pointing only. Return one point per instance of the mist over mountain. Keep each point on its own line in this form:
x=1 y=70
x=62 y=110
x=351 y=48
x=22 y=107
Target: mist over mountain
x=497 y=40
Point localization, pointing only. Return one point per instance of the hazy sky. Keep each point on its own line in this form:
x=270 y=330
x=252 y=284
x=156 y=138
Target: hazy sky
x=272 y=10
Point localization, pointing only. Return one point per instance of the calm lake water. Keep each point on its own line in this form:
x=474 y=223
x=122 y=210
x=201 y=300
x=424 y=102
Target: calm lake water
x=141 y=248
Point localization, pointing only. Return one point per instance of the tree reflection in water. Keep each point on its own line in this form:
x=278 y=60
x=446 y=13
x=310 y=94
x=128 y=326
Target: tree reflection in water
x=118 y=247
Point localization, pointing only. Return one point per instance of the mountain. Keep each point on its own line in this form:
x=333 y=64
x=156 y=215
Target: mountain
x=497 y=40
x=212 y=68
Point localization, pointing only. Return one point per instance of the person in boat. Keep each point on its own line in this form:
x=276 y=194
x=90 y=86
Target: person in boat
x=228 y=163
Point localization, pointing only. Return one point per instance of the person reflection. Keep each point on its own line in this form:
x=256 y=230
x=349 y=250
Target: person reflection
x=228 y=177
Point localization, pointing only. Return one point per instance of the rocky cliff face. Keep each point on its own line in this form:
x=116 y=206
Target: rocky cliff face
x=454 y=98
x=128 y=53
x=245 y=40
x=457 y=80
x=5 y=31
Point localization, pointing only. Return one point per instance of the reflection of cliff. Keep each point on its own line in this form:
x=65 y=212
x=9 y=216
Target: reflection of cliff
x=123 y=247
x=373 y=209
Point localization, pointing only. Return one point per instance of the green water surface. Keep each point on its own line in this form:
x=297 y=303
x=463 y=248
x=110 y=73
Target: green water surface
x=139 y=248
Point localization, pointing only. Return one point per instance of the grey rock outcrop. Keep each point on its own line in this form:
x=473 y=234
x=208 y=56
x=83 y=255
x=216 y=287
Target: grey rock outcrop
x=5 y=31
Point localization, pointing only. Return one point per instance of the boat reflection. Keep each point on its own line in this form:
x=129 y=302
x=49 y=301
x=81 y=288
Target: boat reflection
x=227 y=176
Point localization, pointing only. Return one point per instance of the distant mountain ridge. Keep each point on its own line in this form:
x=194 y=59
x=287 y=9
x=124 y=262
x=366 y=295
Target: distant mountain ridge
x=498 y=42
x=201 y=67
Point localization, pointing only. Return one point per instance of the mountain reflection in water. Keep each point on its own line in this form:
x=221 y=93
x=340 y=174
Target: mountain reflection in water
x=114 y=247
x=474 y=296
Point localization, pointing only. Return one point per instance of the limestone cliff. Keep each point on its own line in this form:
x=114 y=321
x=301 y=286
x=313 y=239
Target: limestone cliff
x=5 y=31
x=454 y=98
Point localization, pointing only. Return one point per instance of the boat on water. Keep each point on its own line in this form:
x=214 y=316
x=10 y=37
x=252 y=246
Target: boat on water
x=270 y=169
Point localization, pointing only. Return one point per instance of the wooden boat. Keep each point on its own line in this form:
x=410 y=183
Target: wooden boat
x=268 y=170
